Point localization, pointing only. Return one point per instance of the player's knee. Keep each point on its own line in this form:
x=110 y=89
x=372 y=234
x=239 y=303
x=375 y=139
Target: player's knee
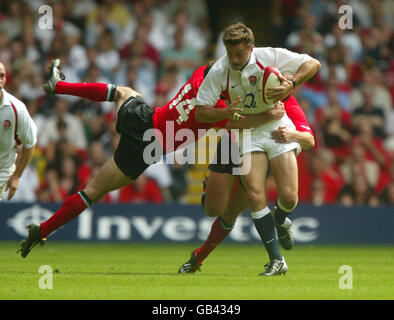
x=256 y=197
x=212 y=208
x=289 y=200
x=230 y=217
x=213 y=211
x=122 y=93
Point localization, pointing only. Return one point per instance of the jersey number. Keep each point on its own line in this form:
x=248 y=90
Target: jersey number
x=251 y=103
x=179 y=103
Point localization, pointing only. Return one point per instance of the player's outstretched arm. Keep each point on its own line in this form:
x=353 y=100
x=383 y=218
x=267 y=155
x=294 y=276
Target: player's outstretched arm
x=209 y=114
x=256 y=120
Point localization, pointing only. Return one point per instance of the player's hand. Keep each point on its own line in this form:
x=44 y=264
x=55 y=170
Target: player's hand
x=283 y=135
x=233 y=112
x=12 y=185
x=278 y=93
x=278 y=111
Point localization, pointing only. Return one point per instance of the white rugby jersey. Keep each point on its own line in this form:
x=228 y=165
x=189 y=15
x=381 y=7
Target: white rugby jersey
x=16 y=127
x=223 y=81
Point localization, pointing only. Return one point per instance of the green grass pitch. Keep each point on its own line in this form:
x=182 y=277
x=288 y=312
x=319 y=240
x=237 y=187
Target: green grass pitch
x=149 y=272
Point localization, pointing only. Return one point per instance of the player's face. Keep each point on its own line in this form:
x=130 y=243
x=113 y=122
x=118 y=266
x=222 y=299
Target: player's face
x=2 y=76
x=238 y=55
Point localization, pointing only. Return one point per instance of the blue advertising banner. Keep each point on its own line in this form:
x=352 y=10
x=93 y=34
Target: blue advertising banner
x=188 y=223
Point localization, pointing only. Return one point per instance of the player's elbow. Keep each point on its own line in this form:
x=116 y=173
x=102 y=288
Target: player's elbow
x=309 y=143
x=317 y=65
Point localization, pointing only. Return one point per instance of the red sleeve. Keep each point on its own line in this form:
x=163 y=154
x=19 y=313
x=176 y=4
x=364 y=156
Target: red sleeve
x=297 y=115
x=221 y=124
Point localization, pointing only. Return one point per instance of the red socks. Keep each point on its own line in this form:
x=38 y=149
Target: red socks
x=91 y=91
x=217 y=234
x=70 y=209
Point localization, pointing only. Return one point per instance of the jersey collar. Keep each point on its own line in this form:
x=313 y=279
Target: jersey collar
x=5 y=101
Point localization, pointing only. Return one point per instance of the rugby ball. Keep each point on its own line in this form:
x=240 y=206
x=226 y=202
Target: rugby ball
x=269 y=79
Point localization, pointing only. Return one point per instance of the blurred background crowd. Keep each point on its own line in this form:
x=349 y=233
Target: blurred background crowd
x=155 y=45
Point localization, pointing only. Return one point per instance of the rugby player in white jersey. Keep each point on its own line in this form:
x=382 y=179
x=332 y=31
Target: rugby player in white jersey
x=17 y=128
x=233 y=76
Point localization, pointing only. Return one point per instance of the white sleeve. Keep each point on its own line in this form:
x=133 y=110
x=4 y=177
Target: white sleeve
x=27 y=129
x=289 y=62
x=210 y=89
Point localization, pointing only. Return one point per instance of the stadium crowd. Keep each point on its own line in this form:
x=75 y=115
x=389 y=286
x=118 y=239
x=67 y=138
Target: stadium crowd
x=154 y=46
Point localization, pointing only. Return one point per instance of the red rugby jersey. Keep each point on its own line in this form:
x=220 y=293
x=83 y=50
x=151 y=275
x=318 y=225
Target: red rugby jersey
x=179 y=113
x=296 y=114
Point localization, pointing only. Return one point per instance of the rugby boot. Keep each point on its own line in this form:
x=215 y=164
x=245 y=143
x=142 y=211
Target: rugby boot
x=192 y=265
x=275 y=268
x=33 y=238
x=55 y=76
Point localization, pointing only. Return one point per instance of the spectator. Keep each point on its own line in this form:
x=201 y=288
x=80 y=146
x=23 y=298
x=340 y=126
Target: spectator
x=324 y=169
x=192 y=36
x=161 y=173
x=179 y=181
x=70 y=126
x=387 y=198
x=182 y=57
x=68 y=179
x=307 y=39
x=358 y=161
x=142 y=190
x=358 y=193
x=372 y=79
x=108 y=57
x=335 y=125
x=369 y=113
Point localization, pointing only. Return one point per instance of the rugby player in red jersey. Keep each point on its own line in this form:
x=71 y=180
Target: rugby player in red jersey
x=225 y=197
x=134 y=119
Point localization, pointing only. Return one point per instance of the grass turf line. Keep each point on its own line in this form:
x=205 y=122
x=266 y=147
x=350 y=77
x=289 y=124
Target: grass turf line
x=149 y=272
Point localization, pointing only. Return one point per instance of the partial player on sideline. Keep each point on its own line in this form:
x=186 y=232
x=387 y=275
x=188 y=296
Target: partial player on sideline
x=18 y=130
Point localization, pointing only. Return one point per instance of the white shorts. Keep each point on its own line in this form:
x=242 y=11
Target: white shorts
x=5 y=174
x=260 y=140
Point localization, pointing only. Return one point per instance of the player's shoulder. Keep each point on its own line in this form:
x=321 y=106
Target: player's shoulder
x=18 y=104
x=221 y=66
x=270 y=50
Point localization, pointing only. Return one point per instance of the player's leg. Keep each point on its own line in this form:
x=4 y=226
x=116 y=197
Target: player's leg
x=126 y=165
x=255 y=186
x=107 y=179
x=221 y=227
x=218 y=188
x=285 y=172
x=92 y=91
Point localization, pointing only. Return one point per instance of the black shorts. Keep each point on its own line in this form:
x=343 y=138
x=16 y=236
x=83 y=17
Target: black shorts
x=220 y=165
x=134 y=118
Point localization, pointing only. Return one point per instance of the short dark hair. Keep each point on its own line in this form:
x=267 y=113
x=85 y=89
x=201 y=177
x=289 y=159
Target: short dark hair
x=238 y=33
